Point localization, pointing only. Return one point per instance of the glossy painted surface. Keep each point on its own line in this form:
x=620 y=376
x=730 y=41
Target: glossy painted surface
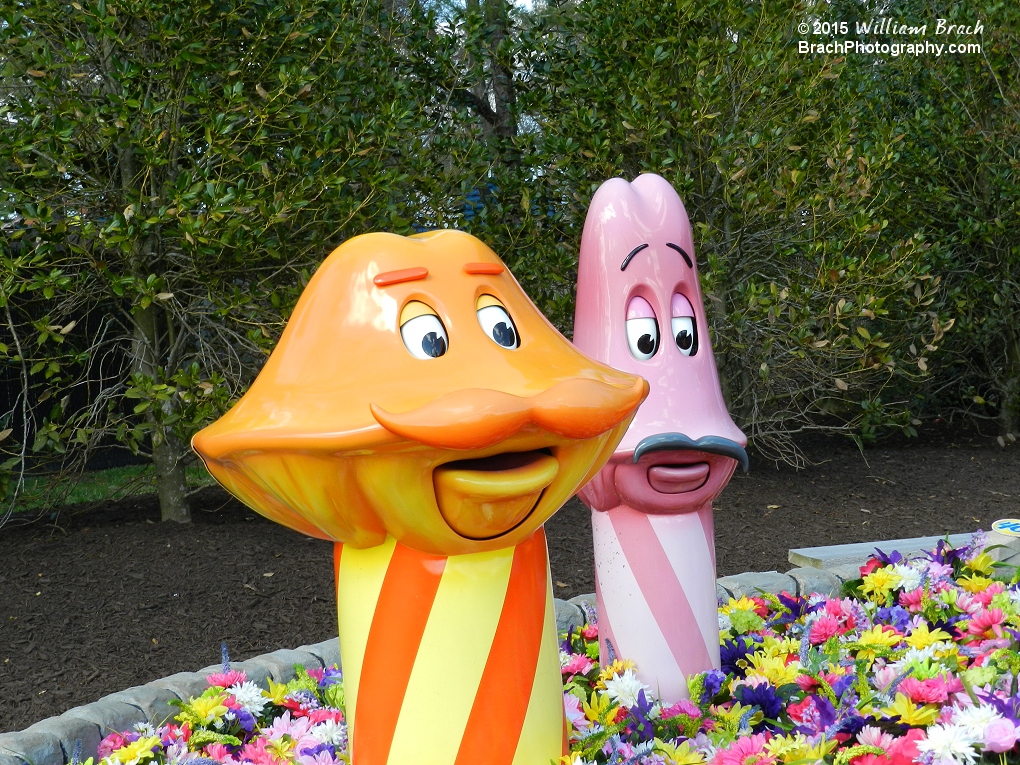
x=420 y=411
x=343 y=432
x=640 y=309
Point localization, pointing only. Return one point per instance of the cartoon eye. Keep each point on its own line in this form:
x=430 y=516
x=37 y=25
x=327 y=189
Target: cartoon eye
x=496 y=322
x=421 y=330
x=642 y=329
x=685 y=331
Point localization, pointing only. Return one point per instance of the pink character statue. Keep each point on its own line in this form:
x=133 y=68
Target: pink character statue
x=639 y=309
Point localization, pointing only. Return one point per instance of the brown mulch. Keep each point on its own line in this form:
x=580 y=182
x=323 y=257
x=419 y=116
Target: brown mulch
x=111 y=598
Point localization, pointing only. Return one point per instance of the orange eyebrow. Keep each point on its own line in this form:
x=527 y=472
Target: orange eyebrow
x=484 y=268
x=387 y=278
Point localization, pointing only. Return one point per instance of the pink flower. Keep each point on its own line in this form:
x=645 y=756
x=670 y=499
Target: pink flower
x=219 y=752
x=885 y=676
x=903 y=751
x=912 y=600
x=226 y=679
x=871 y=565
x=285 y=726
x=579 y=664
x=823 y=628
x=749 y=750
x=989 y=592
x=590 y=632
x=983 y=622
x=111 y=743
x=872 y=736
x=317 y=716
x=932 y=691
x=682 y=707
x=317 y=673
x=572 y=707
x=255 y=751
x=1000 y=735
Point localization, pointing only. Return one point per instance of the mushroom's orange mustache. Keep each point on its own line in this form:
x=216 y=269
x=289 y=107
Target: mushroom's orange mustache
x=478 y=418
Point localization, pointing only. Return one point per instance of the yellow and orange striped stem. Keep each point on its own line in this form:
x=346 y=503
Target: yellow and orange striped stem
x=449 y=660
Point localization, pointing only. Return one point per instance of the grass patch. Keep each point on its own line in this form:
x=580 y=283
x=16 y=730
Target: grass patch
x=50 y=491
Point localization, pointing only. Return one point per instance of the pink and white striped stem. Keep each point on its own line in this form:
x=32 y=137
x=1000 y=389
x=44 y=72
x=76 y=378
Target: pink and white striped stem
x=656 y=590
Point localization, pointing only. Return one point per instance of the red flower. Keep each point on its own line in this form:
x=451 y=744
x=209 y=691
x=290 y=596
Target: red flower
x=871 y=565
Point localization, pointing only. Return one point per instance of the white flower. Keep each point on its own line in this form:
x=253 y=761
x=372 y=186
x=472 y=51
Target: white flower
x=330 y=732
x=249 y=696
x=910 y=577
x=974 y=719
x=564 y=658
x=724 y=623
x=624 y=689
x=949 y=744
x=145 y=729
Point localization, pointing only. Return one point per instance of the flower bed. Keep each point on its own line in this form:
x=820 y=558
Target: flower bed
x=917 y=663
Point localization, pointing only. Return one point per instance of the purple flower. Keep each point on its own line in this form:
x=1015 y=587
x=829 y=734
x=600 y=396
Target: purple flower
x=714 y=680
x=733 y=651
x=895 y=616
x=888 y=560
x=764 y=697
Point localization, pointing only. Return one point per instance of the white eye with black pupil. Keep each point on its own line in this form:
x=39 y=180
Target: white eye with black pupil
x=643 y=337
x=685 y=334
x=424 y=336
x=497 y=324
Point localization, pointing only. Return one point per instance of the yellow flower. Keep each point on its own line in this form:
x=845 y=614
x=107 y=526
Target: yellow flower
x=773 y=646
x=773 y=668
x=135 y=752
x=209 y=708
x=276 y=693
x=744 y=604
x=974 y=583
x=879 y=582
x=922 y=637
x=618 y=667
x=678 y=755
x=599 y=709
x=910 y=713
x=797 y=748
x=281 y=748
x=981 y=564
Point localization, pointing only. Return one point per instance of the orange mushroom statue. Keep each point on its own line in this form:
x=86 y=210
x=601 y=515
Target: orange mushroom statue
x=420 y=412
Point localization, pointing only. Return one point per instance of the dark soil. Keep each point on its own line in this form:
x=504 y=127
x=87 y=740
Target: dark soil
x=111 y=598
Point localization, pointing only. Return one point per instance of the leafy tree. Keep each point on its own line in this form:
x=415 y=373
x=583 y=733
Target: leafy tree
x=172 y=172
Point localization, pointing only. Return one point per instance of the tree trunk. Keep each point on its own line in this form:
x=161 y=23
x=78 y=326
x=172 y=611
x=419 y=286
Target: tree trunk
x=171 y=485
x=168 y=453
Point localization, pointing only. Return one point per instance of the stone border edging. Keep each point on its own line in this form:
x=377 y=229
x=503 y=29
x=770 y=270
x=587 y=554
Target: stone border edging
x=52 y=741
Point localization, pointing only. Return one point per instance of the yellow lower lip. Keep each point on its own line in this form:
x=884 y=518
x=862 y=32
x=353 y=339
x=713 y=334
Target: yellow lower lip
x=485 y=498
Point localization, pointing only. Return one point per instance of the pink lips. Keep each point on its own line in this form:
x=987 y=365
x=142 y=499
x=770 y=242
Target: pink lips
x=677 y=479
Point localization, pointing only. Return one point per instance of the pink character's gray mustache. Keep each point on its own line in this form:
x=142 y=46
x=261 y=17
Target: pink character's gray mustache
x=678 y=441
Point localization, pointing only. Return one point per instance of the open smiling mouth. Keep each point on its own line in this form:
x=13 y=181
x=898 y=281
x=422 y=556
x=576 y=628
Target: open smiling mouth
x=487 y=497
x=677 y=479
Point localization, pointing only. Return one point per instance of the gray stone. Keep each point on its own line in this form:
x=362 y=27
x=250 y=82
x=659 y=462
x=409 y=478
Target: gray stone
x=184 y=685
x=858 y=554
x=280 y=664
x=255 y=671
x=9 y=759
x=69 y=730
x=34 y=747
x=153 y=702
x=1007 y=548
x=111 y=716
x=722 y=595
x=812 y=580
x=328 y=651
x=846 y=572
x=587 y=599
x=750 y=583
x=567 y=615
